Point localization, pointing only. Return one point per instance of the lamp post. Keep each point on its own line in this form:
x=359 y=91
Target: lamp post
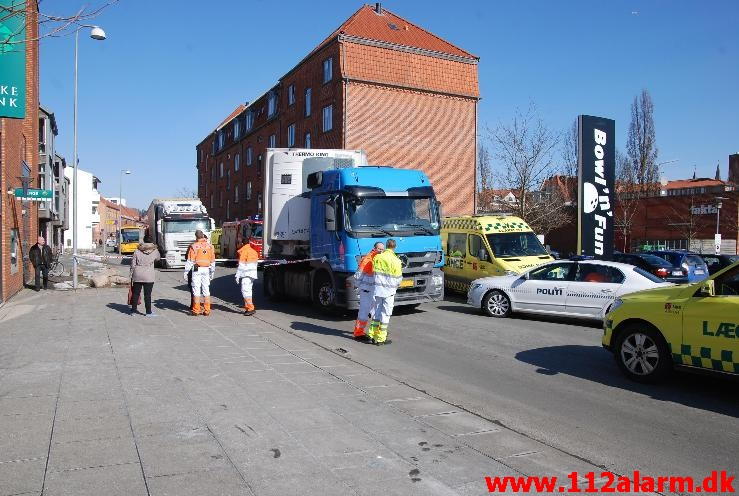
x=719 y=204
x=120 y=207
x=96 y=33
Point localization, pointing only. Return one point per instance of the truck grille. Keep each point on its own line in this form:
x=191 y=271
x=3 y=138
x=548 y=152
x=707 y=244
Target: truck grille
x=418 y=261
x=183 y=245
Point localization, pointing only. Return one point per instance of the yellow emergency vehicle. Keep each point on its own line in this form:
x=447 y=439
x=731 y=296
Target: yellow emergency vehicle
x=694 y=326
x=130 y=236
x=215 y=240
x=486 y=245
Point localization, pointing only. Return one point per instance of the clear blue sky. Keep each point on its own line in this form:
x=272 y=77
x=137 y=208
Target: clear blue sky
x=171 y=70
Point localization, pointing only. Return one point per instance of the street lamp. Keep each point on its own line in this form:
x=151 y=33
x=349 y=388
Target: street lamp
x=120 y=207
x=96 y=33
x=719 y=204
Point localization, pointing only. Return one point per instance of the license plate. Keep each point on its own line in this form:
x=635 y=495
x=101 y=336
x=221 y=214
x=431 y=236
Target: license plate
x=677 y=272
x=699 y=272
x=406 y=283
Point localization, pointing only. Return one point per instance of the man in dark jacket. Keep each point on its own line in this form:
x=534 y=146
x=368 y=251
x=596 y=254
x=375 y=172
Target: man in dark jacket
x=41 y=258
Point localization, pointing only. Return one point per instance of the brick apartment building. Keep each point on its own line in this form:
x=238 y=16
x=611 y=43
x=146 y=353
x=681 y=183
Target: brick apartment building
x=109 y=215
x=19 y=156
x=378 y=83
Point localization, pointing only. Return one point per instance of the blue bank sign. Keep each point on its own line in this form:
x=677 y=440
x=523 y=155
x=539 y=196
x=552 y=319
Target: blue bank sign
x=13 y=58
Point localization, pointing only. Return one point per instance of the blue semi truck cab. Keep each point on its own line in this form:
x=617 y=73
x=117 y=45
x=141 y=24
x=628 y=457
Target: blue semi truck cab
x=324 y=213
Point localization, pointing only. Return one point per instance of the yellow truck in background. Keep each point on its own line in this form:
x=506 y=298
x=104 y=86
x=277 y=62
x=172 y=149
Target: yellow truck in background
x=130 y=238
x=478 y=246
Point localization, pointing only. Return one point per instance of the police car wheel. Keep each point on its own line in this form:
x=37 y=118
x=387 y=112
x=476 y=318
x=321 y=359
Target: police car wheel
x=642 y=354
x=496 y=303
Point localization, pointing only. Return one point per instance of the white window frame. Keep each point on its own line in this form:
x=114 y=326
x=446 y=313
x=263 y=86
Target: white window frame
x=272 y=104
x=248 y=190
x=272 y=141
x=308 y=97
x=249 y=120
x=328 y=69
x=237 y=128
x=259 y=202
x=249 y=156
x=291 y=135
x=327 y=118
x=307 y=140
x=291 y=94
x=237 y=161
x=236 y=193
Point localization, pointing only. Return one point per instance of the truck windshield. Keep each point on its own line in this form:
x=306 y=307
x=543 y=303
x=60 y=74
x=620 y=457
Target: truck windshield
x=385 y=215
x=185 y=226
x=129 y=236
x=517 y=244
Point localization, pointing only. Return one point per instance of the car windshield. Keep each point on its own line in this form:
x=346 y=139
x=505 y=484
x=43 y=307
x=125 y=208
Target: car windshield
x=647 y=275
x=130 y=236
x=185 y=226
x=517 y=244
x=391 y=214
x=656 y=261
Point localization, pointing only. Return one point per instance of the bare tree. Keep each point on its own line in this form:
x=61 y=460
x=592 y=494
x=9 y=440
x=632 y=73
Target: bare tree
x=50 y=25
x=524 y=150
x=484 y=179
x=569 y=151
x=685 y=219
x=641 y=145
x=628 y=197
x=186 y=192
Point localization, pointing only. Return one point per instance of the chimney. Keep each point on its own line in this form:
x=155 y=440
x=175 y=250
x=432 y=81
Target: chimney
x=378 y=8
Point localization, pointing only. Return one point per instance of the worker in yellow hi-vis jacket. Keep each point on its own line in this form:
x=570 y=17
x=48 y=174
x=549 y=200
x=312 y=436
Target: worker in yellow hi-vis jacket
x=388 y=274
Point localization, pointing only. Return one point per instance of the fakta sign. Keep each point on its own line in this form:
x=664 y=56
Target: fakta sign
x=13 y=58
x=596 y=186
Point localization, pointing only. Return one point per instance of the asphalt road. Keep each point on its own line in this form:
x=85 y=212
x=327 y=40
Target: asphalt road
x=548 y=379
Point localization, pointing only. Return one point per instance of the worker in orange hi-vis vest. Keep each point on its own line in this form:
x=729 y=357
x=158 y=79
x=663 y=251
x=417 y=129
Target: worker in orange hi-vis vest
x=365 y=276
x=201 y=260
x=246 y=274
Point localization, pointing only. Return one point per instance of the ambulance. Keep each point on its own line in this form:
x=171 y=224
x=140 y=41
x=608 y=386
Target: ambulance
x=690 y=326
x=488 y=245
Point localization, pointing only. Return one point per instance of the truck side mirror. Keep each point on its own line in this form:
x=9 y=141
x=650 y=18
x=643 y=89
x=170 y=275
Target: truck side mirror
x=159 y=226
x=708 y=288
x=482 y=254
x=330 y=216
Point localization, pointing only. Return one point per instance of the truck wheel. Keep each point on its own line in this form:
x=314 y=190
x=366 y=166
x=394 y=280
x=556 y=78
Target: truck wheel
x=642 y=354
x=271 y=282
x=496 y=304
x=324 y=293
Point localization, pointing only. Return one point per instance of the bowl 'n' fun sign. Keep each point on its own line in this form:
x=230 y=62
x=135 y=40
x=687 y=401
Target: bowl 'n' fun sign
x=596 y=186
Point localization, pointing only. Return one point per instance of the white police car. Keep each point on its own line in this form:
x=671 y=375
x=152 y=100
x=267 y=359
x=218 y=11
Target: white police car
x=572 y=288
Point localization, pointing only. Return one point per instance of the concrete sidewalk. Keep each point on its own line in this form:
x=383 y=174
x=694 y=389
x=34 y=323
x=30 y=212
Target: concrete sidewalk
x=94 y=401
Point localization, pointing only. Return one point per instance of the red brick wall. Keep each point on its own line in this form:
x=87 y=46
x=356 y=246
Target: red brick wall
x=369 y=63
x=418 y=130
x=18 y=142
x=658 y=218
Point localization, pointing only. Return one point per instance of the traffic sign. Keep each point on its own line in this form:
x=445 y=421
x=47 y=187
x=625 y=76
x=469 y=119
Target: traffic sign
x=34 y=194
